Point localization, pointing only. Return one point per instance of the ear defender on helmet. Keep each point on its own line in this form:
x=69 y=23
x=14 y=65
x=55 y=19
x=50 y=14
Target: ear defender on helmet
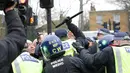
x=45 y=51
x=102 y=44
x=105 y=41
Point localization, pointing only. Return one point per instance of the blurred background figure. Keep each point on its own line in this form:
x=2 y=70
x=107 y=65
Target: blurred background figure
x=101 y=32
x=62 y=34
x=121 y=39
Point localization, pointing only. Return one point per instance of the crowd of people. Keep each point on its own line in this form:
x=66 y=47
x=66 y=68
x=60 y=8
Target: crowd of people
x=65 y=51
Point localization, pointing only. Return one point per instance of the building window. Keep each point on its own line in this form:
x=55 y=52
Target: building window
x=116 y=18
x=99 y=19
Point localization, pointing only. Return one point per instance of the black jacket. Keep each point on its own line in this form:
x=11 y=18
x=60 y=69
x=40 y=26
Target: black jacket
x=65 y=65
x=74 y=29
x=93 y=49
x=99 y=59
x=12 y=44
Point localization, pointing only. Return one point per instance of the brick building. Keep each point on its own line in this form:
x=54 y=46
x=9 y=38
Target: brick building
x=97 y=18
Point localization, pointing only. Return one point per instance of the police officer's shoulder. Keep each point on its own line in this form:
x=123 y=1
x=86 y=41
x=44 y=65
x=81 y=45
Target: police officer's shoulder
x=107 y=49
x=75 y=60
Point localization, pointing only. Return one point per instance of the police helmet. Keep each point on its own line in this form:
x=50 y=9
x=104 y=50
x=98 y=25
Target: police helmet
x=103 y=31
x=51 y=45
x=105 y=41
x=61 y=33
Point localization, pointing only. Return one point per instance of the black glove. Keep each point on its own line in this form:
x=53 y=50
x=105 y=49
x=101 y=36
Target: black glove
x=77 y=46
x=83 y=41
x=68 y=20
x=10 y=6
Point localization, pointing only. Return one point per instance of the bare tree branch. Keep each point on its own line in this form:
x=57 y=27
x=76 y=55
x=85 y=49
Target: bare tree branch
x=37 y=7
x=86 y=2
x=125 y=4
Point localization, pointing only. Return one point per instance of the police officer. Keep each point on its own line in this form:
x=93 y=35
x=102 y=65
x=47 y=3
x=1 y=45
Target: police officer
x=66 y=42
x=115 y=57
x=34 y=47
x=103 y=43
x=25 y=63
x=86 y=42
x=52 y=49
x=102 y=32
x=14 y=41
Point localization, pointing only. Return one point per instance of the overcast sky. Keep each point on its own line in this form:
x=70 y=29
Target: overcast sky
x=73 y=5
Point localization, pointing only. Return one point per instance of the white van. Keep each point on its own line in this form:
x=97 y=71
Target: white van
x=92 y=34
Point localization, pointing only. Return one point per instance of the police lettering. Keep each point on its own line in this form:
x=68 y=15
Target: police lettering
x=66 y=45
x=56 y=44
x=57 y=63
x=127 y=49
x=26 y=57
x=56 y=50
x=52 y=42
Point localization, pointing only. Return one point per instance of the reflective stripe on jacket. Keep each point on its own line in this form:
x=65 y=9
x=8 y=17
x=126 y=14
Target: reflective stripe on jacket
x=25 y=63
x=97 y=46
x=122 y=59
